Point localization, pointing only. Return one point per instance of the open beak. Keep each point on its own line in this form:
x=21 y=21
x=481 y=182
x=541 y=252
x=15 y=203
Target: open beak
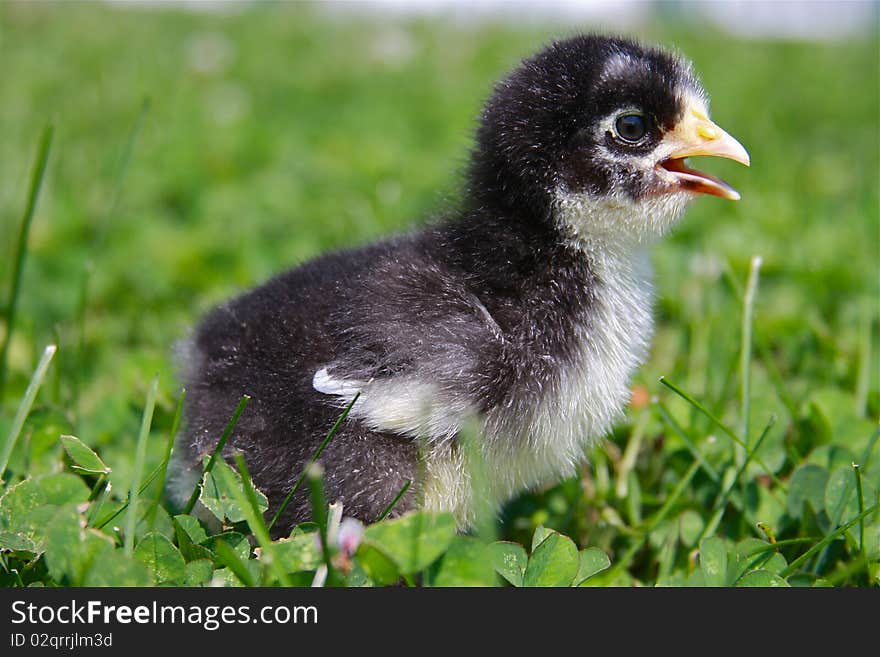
x=696 y=135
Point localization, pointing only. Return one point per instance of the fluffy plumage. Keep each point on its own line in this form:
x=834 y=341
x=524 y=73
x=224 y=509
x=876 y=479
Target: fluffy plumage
x=526 y=310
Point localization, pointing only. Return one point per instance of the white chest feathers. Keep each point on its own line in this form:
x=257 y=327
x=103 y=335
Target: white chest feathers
x=543 y=440
x=592 y=388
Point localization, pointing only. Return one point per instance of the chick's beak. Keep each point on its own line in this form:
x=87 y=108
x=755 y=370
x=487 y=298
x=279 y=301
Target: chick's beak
x=696 y=135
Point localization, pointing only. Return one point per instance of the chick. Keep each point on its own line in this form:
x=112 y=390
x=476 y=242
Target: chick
x=525 y=310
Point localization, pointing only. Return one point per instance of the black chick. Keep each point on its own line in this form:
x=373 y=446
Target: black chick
x=528 y=308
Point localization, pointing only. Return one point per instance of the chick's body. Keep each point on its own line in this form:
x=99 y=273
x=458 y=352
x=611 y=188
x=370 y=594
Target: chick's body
x=526 y=310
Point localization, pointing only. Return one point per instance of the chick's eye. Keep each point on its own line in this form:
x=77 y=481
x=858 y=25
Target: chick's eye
x=631 y=127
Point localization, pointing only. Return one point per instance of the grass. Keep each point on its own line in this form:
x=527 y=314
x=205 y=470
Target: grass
x=196 y=154
x=21 y=250
x=131 y=515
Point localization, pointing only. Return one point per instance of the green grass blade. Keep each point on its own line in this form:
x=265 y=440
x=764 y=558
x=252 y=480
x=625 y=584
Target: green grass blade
x=844 y=572
x=866 y=455
x=146 y=484
x=835 y=518
x=794 y=565
x=216 y=453
x=721 y=502
x=778 y=544
x=97 y=244
x=484 y=512
x=658 y=517
x=315 y=480
x=56 y=372
x=776 y=378
x=247 y=500
x=764 y=350
x=664 y=510
x=388 y=509
x=692 y=447
x=79 y=358
x=745 y=363
x=139 y=458
x=866 y=363
x=631 y=453
x=227 y=556
x=681 y=393
x=99 y=496
x=37 y=176
x=298 y=483
x=166 y=458
x=861 y=501
x=24 y=408
x=121 y=170
x=764 y=553
x=12 y=572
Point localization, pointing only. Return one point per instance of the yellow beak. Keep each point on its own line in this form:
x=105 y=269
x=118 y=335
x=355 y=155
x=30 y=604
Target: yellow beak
x=696 y=135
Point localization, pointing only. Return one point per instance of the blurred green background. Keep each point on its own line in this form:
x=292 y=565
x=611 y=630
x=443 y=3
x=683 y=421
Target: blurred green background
x=197 y=153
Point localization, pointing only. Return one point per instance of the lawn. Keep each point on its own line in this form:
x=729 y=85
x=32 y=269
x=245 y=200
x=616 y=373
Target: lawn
x=195 y=154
